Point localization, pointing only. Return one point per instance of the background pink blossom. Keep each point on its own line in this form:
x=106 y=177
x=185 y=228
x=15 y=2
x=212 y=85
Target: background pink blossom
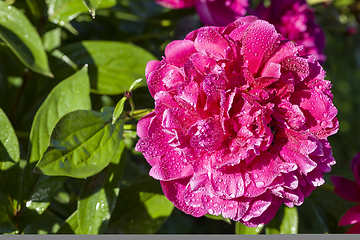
x=350 y=191
x=211 y=12
x=295 y=20
x=240 y=123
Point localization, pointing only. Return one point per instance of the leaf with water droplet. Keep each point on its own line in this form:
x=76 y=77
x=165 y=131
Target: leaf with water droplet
x=62 y=12
x=141 y=208
x=82 y=144
x=99 y=194
x=92 y=5
x=22 y=38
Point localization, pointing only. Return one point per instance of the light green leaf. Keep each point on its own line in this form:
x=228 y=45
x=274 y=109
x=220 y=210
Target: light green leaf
x=82 y=144
x=22 y=38
x=285 y=221
x=71 y=94
x=99 y=194
x=63 y=11
x=244 y=230
x=52 y=39
x=290 y=222
x=71 y=225
x=118 y=109
x=92 y=5
x=113 y=66
x=141 y=208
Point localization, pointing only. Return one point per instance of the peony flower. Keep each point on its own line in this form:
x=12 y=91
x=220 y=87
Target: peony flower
x=240 y=124
x=295 y=21
x=350 y=191
x=211 y=12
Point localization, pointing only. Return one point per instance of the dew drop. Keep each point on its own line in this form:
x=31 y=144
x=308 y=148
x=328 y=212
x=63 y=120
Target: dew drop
x=259 y=184
x=211 y=211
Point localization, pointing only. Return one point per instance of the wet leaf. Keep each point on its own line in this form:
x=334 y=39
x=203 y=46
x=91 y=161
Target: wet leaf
x=141 y=208
x=63 y=11
x=23 y=39
x=99 y=194
x=92 y=5
x=82 y=144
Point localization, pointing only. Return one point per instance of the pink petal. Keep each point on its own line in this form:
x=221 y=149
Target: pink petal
x=266 y=216
x=175 y=4
x=346 y=189
x=352 y=216
x=228 y=182
x=142 y=127
x=210 y=39
x=178 y=52
x=259 y=41
x=232 y=209
x=355 y=167
x=174 y=191
x=171 y=167
x=354 y=229
x=258 y=206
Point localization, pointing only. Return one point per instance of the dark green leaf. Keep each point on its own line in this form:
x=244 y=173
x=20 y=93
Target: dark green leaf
x=9 y=158
x=7 y=223
x=113 y=66
x=99 y=194
x=141 y=208
x=71 y=94
x=82 y=144
x=92 y=5
x=63 y=11
x=244 y=230
x=46 y=224
x=19 y=34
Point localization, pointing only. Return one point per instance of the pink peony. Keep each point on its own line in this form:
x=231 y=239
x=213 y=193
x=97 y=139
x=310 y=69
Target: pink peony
x=295 y=21
x=240 y=124
x=211 y=12
x=350 y=191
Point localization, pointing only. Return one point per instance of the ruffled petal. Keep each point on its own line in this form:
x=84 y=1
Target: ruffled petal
x=346 y=189
x=352 y=216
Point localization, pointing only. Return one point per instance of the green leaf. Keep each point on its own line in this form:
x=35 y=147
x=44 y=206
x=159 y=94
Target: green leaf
x=71 y=94
x=46 y=224
x=63 y=11
x=118 y=109
x=244 y=230
x=220 y=217
x=290 y=222
x=285 y=221
x=92 y=5
x=113 y=66
x=82 y=144
x=22 y=38
x=7 y=223
x=71 y=225
x=99 y=194
x=141 y=208
x=9 y=159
